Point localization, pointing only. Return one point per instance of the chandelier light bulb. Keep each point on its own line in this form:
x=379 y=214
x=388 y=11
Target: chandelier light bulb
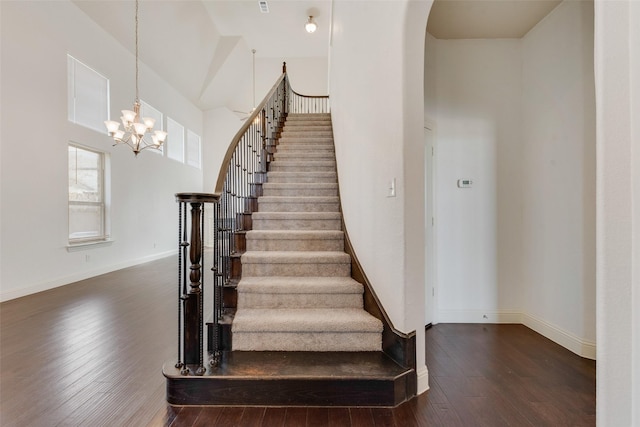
x=128 y=117
x=112 y=127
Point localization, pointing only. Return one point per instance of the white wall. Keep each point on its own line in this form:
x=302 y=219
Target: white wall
x=430 y=79
x=478 y=137
x=518 y=118
x=617 y=61
x=559 y=176
x=376 y=81
x=220 y=126
x=36 y=37
x=308 y=76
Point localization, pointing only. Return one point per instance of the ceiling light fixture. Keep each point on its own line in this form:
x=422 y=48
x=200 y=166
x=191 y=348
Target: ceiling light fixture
x=311 y=25
x=135 y=127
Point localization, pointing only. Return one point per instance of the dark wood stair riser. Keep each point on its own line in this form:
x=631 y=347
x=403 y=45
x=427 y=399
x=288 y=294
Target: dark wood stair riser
x=240 y=241
x=286 y=392
x=243 y=221
x=236 y=266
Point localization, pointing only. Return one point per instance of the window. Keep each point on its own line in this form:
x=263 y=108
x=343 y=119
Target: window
x=193 y=149
x=147 y=110
x=87 y=201
x=88 y=95
x=175 y=140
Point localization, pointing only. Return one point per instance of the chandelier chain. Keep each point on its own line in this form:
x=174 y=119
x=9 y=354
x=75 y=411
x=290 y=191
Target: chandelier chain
x=137 y=94
x=136 y=127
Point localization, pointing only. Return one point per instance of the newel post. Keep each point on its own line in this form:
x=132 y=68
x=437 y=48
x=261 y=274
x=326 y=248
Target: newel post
x=191 y=298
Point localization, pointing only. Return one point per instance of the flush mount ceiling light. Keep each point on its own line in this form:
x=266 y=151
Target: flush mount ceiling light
x=311 y=25
x=135 y=127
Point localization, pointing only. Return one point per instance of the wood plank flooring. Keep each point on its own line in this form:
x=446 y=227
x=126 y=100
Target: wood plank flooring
x=91 y=353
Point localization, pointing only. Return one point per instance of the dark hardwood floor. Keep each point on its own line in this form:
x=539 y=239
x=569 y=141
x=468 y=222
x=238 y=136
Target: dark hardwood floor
x=91 y=353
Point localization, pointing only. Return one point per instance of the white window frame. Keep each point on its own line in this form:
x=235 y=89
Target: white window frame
x=193 y=139
x=147 y=110
x=73 y=64
x=175 y=129
x=104 y=203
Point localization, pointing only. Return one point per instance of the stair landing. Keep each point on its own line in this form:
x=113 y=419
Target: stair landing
x=294 y=379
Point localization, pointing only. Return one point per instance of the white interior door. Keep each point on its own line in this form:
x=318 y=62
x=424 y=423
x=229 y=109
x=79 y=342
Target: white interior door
x=430 y=274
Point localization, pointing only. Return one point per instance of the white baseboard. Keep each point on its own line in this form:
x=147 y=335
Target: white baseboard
x=66 y=280
x=479 y=316
x=579 y=346
x=423 y=380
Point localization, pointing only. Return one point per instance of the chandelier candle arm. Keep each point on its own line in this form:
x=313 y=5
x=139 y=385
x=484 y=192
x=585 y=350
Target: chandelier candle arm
x=135 y=128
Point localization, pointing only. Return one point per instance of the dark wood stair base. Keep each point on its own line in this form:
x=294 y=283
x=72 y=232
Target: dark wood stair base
x=294 y=379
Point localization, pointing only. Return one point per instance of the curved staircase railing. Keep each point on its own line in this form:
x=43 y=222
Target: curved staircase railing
x=238 y=187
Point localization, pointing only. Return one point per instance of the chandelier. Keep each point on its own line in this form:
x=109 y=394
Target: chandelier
x=136 y=128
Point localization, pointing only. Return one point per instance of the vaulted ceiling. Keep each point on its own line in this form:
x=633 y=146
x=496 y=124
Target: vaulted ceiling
x=203 y=47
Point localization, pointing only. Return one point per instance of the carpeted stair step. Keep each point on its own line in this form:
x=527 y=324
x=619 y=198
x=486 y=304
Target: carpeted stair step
x=297 y=221
x=295 y=240
x=298 y=204
x=320 y=329
x=286 y=263
x=311 y=165
x=306 y=132
x=301 y=177
x=309 y=140
x=299 y=292
x=304 y=155
x=296 y=189
x=295 y=148
x=313 y=125
x=309 y=117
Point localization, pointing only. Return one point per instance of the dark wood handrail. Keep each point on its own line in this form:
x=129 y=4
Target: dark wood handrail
x=309 y=96
x=236 y=139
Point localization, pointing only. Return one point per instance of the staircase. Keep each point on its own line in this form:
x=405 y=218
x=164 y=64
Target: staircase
x=300 y=334
x=296 y=291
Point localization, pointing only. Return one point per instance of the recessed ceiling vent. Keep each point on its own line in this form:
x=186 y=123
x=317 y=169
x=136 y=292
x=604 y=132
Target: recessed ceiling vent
x=264 y=6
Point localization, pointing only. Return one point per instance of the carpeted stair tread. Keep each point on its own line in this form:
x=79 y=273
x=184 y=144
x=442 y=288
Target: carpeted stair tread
x=299 y=285
x=298 y=199
x=306 y=140
x=302 y=166
x=300 y=185
x=286 y=148
x=297 y=221
x=291 y=187
x=294 y=234
x=312 y=126
x=305 y=320
x=302 y=177
x=298 y=257
x=294 y=240
x=305 y=162
x=306 y=155
x=296 y=215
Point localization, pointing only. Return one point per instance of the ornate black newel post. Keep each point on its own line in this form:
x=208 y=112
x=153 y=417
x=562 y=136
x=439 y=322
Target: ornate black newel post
x=191 y=298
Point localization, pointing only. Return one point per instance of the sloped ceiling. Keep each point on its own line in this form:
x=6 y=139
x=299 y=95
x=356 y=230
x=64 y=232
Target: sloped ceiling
x=486 y=19
x=203 y=47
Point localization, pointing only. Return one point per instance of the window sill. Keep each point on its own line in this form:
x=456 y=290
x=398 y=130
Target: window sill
x=74 y=247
